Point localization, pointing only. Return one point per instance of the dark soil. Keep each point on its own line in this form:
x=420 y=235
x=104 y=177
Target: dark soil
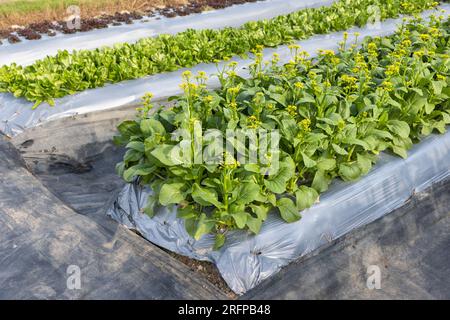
x=207 y=270
x=35 y=31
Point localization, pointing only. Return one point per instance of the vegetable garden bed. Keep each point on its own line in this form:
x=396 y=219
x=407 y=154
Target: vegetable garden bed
x=55 y=77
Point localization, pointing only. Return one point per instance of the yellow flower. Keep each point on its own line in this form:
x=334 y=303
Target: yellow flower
x=387 y=86
x=253 y=122
x=441 y=77
x=202 y=75
x=294 y=46
x=312 y=74
x=292 y=110
x=148 y=96
x=406 y=43
x=187 y=74
x=425 y=37
x=234 y=90
x=259 y=47
x=349 y=82
x=275 y=58
x=208 y=99
x=372 y=49
x=419 y=54
x=327 y=52
x=348 y=79
x=305 y=125
x=393 y=69
x=299 y=85
x=230 y=161
x=335 y=60
x=434 y=32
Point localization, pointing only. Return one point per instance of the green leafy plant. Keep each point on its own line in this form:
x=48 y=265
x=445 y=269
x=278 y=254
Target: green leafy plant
x=334 y=113
x=68 y=73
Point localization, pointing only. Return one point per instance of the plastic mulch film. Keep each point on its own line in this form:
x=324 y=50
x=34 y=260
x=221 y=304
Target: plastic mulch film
x=246 y=260
x=27 y=52
x=16 y=114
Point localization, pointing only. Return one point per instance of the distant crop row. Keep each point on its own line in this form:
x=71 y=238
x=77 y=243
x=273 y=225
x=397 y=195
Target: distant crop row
x=334 y=115
x=68 y=73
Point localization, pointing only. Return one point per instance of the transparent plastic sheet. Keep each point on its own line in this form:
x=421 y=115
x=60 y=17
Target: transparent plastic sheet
x=27 y=52
x=16 y=114
x=246 y=260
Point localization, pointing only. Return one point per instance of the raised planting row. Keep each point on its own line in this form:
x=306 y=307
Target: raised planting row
x=34 y=31
x=67 y=73
x=334 y=114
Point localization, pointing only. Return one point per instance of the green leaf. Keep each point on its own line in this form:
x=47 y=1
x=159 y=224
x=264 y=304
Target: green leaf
x=380 y=133
x=349 y=171
x=248 y=192
x=204 y=226
x=219 y=241
x=120 y=168
x=191 y=226
x=137 y=170
x=309 y=163
x=305 y=197
x=152 y=126
x=187 y=212
x=205 y=196
x=364 y=163
x=254 y=224
x=252 y=168
x=129 y=128
x=288 y=210
x=438 y=86
x=136 y=145
x=171 y=193
x=400 y=151
x=321 y=181
x=240 y=218
x=166 y=155
x=429 y=107
x=150 y=206
x=339 y=150
x=326 y=164
x=277 y=182
x=400 y=128
x=358 y=142
x=261 y=210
